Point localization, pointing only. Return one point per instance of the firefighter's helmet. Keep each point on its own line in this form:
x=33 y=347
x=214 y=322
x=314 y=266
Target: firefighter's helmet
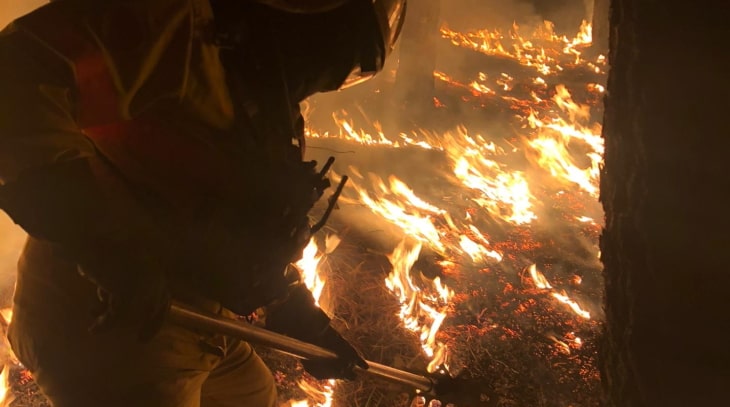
x=304 y=6
x=389 y=14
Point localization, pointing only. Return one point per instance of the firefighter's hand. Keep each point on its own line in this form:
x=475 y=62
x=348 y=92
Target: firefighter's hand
x=341 y=368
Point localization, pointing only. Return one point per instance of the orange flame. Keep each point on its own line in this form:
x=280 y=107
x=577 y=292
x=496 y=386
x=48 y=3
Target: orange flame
x=422 y=310
x=545 y=59
x=321 y=394
x=558 y=139
x=308 y=265
x=398 y=204
x=5 y=396
x=7 y=360
x=556 y=134
x=542 y=283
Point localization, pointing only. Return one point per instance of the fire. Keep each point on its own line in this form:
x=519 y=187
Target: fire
x=320 y=394
x=558 y=127
x=557 y=139
x=555 y=136
x=545 y=51
x=5 y=398
x=572 y=304
x=504 y=193
x=8 y=359
x=362 y=137
x=423 y=310
x=539 y=279
x=542 y=283
x=309 y=265
x=397 y=203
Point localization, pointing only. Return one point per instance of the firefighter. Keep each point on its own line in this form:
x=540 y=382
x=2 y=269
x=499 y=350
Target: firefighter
x=153 y=150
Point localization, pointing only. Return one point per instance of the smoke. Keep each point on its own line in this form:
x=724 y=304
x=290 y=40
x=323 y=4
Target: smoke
x=421 y=50
x=466 y=15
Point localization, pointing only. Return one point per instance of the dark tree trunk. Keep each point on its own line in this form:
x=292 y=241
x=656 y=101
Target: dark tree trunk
x=665 y=190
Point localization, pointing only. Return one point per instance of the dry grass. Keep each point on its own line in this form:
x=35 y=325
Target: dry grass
x=503 y=335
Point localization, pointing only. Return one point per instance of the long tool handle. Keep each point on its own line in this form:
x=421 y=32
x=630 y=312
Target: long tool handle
x=187 y=316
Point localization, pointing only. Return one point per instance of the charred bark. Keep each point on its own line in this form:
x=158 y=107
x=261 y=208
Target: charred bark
x=665 y=192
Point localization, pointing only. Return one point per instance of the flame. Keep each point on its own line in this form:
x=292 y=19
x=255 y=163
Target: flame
x=505 y=194
x=398 y=204
x=500 y=189
x=423 y=310
x=308 y=266
x=8 y=360
x=500 y=180
x=573 y=305
x=544 y=58
x=5 y=395
x=539 y=279
x=556 y=134
x=559 y=139
x=542 y=283
x=320 y=394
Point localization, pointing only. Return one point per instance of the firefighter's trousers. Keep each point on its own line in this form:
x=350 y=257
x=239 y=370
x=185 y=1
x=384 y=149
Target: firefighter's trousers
x=179 y=367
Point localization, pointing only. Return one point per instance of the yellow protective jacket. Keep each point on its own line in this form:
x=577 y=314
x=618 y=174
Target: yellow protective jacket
x=115 y=63
x=139 y=83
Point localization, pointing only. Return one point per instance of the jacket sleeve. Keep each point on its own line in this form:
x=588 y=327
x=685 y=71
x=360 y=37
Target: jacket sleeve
x=57 y=187
x=53 y=182
x=37 y=125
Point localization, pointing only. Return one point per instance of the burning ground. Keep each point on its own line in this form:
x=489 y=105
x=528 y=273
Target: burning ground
x=470 y=225
x=468 y=230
